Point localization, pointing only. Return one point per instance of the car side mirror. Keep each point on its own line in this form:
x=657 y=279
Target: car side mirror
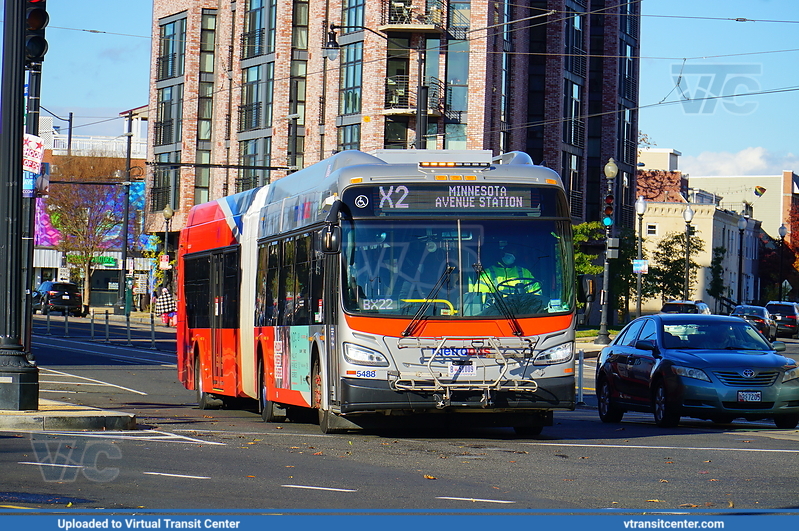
x=647 y=344
x=778 y=346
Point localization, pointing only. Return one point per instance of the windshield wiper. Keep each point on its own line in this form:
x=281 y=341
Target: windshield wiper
x=499 y=300
x=417 y=319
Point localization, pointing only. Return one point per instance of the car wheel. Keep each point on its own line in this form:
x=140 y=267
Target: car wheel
x=786 y=422
x=608 y=412
x=666 y=414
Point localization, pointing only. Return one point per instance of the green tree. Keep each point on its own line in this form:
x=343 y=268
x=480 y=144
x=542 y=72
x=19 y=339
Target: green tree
x=587 y=235
x=668 y=271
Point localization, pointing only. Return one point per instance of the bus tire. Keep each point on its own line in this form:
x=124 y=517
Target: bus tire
x=204 y=400
x=269 y=410
x=329 y=422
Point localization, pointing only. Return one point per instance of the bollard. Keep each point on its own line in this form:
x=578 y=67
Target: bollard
x=66 y=324
x=48 y=323
x=91 y=325
x=152 y=331
x=580 y=365
x=107 y=329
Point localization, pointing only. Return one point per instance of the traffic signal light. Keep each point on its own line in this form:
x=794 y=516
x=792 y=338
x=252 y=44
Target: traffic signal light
x=36 y=19
x=607 y=211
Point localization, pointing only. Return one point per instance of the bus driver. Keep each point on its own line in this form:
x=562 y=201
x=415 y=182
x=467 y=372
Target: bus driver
x=505 y=276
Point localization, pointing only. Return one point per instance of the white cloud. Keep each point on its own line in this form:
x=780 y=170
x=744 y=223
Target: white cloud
x=750 y=161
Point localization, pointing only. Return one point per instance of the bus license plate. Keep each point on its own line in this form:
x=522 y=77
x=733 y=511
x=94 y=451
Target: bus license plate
x=456 y=369
x=749 y=396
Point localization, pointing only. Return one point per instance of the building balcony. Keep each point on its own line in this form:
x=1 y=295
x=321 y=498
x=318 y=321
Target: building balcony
x=402 y=15
x=401 y=96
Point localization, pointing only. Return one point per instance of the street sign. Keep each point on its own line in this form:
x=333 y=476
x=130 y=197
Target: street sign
x=164 y=262
x=786 y=286
x=641 y=266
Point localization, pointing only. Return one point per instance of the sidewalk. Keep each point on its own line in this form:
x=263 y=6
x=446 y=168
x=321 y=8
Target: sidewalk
x=586 y=344
x=54 y=416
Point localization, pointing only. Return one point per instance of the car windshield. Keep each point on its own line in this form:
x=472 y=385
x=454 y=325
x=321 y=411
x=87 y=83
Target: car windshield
x=713 y=336
x=395 y=267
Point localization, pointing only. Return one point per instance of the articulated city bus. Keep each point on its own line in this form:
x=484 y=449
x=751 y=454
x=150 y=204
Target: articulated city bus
x=376 y=286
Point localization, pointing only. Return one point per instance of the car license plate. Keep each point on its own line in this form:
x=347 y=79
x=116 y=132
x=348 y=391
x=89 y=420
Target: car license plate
x=749 y=396
x=456 y=369
x=65 y=297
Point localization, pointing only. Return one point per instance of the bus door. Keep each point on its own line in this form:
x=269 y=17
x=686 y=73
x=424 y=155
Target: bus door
x=224 y=296
x=330 y=309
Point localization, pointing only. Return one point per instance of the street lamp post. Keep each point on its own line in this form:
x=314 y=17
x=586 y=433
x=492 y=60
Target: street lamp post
x=603 y=337
x=687 y=215
x=742 y=222
x=168 y=213
x=783 y=231
x=640 y=209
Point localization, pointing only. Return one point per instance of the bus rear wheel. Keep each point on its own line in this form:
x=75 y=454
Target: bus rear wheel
x=269 y=410
x=204 y=400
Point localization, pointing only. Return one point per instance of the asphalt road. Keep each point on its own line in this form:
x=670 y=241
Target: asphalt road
x=182 y=457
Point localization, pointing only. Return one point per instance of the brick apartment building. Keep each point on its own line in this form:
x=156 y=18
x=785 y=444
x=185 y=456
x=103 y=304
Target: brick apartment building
x=250 y=88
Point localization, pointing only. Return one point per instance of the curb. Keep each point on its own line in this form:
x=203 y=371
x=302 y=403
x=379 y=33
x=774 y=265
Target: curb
x=55 y=416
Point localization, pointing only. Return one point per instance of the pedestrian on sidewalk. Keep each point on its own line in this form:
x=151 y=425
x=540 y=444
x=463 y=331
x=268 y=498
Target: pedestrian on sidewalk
x=165 y=305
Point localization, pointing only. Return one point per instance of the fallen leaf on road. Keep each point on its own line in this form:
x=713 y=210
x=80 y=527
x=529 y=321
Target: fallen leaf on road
x=428 y=476
x=655 y=501
x=318 y=453
x=664 y=480
x=688 y=505
x=730 y=504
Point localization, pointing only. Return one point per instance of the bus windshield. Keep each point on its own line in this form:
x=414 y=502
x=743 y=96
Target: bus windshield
x=457 y=268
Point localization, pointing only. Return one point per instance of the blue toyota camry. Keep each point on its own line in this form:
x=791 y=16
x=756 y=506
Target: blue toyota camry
x=704 y=366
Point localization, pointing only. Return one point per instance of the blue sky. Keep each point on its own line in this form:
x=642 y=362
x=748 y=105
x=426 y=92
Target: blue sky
x=98 y=75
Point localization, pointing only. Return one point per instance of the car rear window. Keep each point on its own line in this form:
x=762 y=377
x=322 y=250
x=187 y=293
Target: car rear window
x=781 y=308
x=64 y=287
x=679 y=308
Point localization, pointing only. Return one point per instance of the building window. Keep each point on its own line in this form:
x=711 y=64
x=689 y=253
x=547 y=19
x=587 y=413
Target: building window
x=455 y=136
x=167 y=125
x=651 y=229
x=248 y=156
x=269 y=93
x=299 y=71
x=205 y=104
x=172 y=49
x=299 y=34
x=572 y=177
x=351 y=78
x=349 y=137
x=250 y=108
x=207 y=43
x=202 y=178
x=253 y=39
x=165 y=182
x=352 y=13
x=576 y=59
x=573 y=124
x=396 y=133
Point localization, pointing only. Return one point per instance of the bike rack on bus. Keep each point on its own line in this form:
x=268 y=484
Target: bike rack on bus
x=498 y=349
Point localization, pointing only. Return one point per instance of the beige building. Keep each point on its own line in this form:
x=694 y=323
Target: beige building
x=715 y=228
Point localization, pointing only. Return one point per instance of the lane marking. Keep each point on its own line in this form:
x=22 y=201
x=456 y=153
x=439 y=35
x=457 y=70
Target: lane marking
x=143 y=435
x=53 y=371
x=642 y=447
x=175 y=475
x=309 y=487
x=472 y=499
x=49 y=464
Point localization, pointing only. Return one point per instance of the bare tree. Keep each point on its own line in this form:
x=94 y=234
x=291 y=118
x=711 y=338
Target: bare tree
x=85 y=206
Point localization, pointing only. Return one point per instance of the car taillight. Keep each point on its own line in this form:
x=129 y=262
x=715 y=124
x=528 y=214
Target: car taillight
x=758 y=320
x=52 y=293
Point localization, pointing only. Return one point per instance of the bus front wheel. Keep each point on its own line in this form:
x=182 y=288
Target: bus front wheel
x=327 y=419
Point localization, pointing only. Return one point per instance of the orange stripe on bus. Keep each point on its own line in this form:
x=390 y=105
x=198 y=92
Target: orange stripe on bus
x=493 y=327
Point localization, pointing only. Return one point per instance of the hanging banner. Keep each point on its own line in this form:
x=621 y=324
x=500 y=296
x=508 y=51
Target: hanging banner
x=32 y=153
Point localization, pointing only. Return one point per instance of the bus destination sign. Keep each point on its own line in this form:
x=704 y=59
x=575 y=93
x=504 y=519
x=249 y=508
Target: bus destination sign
x=387 y=199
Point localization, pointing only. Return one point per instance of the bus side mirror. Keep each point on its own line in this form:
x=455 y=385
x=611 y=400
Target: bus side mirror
x=331 y=239
x=586 y=288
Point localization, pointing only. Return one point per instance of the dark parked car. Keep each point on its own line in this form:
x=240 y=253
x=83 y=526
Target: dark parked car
x=758 y=317
x=685 y=307
x=704 y=366
x=787 y=316
x=62 y=297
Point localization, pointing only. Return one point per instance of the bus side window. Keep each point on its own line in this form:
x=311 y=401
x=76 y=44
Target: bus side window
x=288 y=283
x=272 y=284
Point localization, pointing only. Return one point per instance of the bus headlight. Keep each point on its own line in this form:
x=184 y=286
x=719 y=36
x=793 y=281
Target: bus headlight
x=358 y=355
x=551 y=356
